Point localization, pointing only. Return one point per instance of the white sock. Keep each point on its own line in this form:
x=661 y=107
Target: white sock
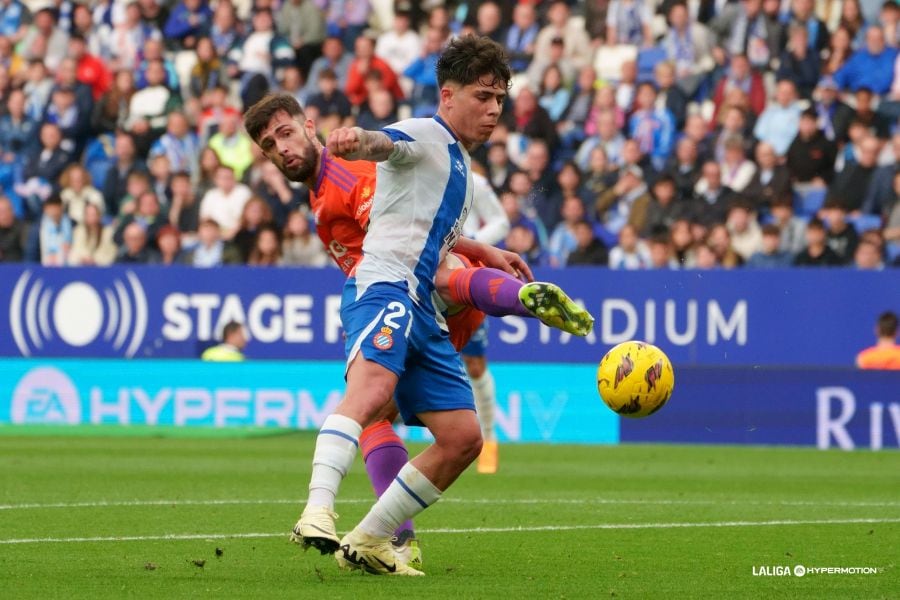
x=485 y=399
x=409 y=494
x=336 y=448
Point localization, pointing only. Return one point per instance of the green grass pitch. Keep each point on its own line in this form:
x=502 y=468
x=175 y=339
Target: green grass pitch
x=144 y=516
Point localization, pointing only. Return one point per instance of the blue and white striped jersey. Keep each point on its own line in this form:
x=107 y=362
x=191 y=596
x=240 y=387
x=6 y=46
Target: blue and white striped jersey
x=423 y=193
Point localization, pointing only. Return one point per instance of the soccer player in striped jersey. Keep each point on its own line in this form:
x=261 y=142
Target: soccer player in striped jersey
x=402 y=255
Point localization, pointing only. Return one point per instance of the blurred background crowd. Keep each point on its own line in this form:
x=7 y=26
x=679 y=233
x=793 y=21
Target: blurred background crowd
x=640 y=134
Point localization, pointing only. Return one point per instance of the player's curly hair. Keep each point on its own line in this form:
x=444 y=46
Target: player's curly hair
x=470 y=59
x=258 y=116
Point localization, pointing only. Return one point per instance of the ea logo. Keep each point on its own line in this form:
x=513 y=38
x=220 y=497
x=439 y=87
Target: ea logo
x=43 y=318
x=45 y=395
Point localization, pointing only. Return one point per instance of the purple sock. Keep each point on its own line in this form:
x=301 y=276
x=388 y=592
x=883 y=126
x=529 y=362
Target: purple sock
x=491 y=291
x=384 y=454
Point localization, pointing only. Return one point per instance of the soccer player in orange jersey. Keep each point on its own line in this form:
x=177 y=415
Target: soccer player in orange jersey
x=885 y=354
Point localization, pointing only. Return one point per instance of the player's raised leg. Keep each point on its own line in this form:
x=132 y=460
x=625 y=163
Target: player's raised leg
x=548 y=303
x=499 y=294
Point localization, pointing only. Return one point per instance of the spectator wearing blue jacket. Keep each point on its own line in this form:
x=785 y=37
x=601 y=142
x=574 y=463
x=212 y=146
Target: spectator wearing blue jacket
x=153 y=51
x=423 y=73
x=871 y=67
x=18 y=132
x=652 y=127
x=522 y=36
x=14 y=18
x=50 y=239
x=188 y=20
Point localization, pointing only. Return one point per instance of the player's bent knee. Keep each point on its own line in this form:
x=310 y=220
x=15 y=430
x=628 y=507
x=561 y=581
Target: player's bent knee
x=472 y=448
x=465 y=444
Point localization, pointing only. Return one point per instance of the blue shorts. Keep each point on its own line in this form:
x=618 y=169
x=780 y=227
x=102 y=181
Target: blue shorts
x=477 y=345
x=388 y=328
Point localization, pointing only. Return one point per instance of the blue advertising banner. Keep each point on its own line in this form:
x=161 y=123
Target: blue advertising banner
x=295 y=395
x=826 y=408
x=831 y=408
x=707 y=318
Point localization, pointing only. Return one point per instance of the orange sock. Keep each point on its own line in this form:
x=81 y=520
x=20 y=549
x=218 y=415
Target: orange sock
x=378 y=435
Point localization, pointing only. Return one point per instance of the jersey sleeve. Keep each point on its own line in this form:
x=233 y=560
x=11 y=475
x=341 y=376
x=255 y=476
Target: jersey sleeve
x=406 y=149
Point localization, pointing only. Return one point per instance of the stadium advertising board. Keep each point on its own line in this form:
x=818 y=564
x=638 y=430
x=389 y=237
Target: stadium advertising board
x=708 y=318
x=297 y=395
x=832 y=408
x=826 y=408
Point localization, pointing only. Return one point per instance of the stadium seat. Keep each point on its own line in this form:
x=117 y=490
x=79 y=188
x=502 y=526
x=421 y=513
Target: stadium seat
x=184 y=63
x=893 y=251
x=98 y=156
x=647 y=59
x=608 y=60
x=865 y=222
x=807 y=202
x=606 y=236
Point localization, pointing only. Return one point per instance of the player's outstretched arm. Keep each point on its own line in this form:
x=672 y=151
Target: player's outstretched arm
x=355 y=143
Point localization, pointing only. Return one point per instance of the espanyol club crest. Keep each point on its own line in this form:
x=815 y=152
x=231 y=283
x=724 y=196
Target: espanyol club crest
x=384 y=340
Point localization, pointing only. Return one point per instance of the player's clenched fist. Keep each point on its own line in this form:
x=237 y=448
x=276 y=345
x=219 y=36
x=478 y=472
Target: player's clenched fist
x=345 y=142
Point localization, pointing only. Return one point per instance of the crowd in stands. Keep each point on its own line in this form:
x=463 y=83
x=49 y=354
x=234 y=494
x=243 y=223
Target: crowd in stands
x=639 y=134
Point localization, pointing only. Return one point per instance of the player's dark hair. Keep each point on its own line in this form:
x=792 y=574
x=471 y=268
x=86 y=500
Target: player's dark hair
x=887 y=324
x=258 y=116
x=470 y=59
x=230 y=328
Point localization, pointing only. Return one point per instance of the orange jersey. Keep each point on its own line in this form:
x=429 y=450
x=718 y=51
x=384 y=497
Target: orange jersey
x=880 y=357
x=341 y=202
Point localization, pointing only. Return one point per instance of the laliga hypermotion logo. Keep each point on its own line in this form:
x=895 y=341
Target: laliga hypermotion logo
x=78 y=314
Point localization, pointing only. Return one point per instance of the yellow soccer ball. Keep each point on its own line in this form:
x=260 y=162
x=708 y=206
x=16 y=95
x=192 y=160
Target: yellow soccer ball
x=635 y=379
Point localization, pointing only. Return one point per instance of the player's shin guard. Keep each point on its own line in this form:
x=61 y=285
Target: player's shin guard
x=335 y=450
x=485 y=400
x=489 y=290
x=384 y=454
x=409 y=494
